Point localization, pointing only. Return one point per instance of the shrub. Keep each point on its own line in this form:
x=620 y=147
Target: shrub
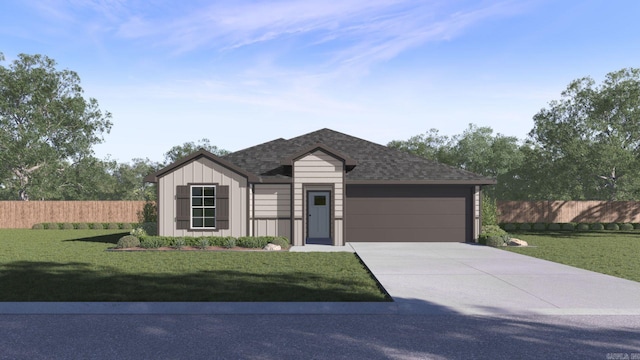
x=113 y=226
x=139 y=232
x=179 y=243
x=636 y=226
x=82 y=226
x=96 y=226
x=280 y=240
x=38 y=226
x=203 y=243
x=490 y=213
x=152 y=242
x=613 y=226
x=539 y=226
x=126 y=226
x=626 y=227
x=67 y=226
x=524 y=227
x=228 y=242
x=128 y=241
x=568 y=227
x=510 y=227
x=597 y=226
x=583 y=227
x=554 y=227
x=493 y=235
x=52 y=226
x=252 y=242
x=151 y=228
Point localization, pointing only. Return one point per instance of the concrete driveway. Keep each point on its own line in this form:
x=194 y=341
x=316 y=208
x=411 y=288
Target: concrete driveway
x=479 y=280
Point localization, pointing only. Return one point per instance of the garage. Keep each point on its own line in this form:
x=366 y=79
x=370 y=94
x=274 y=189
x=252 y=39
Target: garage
x=408 y=213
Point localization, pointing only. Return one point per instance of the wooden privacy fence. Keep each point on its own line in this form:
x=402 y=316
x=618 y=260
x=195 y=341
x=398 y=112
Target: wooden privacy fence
x=23 y=214
x=569 y=211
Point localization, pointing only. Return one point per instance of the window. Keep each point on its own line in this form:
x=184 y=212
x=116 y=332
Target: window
x=319 y=200
x=203 y=207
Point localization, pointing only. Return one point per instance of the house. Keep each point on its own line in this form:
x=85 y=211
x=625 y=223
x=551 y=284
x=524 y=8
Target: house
x=322 y=187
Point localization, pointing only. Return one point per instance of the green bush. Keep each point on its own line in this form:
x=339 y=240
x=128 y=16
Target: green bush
x=113 y=226
x=583 y=227
x=626 y=227
x=203 y=243
x=490 y=213
x=510 y=227
x=96 y=226
x=282 y=241
x=613 y=226
x=38 y=226
x=139 y=232
x=179 y=243
x=252 y=242
x=539 y=226
x=554 y=227
x=67 y=226
x=636 y=226
x=597 y=226
x=153 y=242
x=568 y=227
x=493 y=235
x=82 y=226
x=128 y=241
x=524 y=227
x=149 y=213
x=52 y=226
x=150 y=228
x=126 y=226
x=228 y=242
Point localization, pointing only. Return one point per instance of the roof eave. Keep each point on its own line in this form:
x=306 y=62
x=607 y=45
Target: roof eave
x=422 y=182
x=153 y=178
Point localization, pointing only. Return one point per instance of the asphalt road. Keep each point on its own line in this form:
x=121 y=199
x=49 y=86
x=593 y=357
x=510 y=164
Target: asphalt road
x=318 y=337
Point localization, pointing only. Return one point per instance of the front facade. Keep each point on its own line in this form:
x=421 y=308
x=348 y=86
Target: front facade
x=320 y=188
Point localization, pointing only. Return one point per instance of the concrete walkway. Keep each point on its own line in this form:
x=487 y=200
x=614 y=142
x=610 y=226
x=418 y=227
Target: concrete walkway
x=472 y=279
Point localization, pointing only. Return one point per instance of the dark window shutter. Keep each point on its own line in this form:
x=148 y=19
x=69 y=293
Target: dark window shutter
x=183 y=207
x=222 y=207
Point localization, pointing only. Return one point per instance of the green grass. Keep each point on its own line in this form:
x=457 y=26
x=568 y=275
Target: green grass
x=72 y=265
x=604 y=252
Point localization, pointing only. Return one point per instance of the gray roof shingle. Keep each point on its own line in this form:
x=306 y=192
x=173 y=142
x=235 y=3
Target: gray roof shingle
x=375 y=163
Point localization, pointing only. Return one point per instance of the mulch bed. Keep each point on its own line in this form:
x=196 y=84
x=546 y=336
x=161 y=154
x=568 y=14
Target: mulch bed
x=194 y=248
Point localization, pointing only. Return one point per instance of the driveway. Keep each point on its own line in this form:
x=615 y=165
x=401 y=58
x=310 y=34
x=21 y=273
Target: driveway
x=478 y=280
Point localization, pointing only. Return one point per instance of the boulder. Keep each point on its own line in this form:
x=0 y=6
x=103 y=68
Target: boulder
x=272 y=247
x=517 y=242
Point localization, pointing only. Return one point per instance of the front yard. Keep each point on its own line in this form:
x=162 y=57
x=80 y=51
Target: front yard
x=72 y=265
x=612 y=253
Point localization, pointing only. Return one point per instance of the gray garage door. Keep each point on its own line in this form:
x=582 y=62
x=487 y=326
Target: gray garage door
x=408 y=213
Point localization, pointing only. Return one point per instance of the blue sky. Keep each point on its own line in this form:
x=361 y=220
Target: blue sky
x=244 y=72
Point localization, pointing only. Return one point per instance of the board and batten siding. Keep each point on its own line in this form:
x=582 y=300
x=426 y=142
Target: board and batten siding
x=272 y=210
x=318 y=171
x=203 y=171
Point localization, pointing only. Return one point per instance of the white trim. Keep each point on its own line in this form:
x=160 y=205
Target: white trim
x=203 y=207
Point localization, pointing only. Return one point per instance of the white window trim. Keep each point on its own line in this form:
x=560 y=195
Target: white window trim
x=215 y=207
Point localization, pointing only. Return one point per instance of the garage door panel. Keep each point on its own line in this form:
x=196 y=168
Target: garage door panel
x=408 y=206
x=409 y=221
x=408 y=213
x=406 y=235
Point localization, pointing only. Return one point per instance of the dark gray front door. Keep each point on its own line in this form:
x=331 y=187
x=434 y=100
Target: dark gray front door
x=319 y=214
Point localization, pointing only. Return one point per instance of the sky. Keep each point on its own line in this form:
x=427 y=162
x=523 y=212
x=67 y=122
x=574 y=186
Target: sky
x=241 y=73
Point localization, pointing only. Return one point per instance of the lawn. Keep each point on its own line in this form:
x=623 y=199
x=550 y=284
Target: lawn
x=72 y=265
x=612 y=253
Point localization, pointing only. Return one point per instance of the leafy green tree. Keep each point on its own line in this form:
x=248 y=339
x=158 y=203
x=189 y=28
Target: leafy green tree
x=180 y=151
x=589 y=141
x=45 y=123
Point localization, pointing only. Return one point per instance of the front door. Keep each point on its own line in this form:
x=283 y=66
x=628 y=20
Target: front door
x=319 y=217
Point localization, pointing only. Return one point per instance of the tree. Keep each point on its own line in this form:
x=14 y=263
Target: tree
x=180 y=151
x=589 y=140
x=44 y=122
x=477 y=150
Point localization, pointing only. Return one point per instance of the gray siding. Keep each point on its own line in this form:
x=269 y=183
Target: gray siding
x=272 y=210
x=318 y=171
x=203 y=171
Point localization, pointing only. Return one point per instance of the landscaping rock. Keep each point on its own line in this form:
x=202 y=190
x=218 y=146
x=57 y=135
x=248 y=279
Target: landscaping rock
x=272 y=247
x=517 y=242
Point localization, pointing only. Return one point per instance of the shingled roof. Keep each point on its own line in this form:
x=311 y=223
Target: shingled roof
x=374 y=163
